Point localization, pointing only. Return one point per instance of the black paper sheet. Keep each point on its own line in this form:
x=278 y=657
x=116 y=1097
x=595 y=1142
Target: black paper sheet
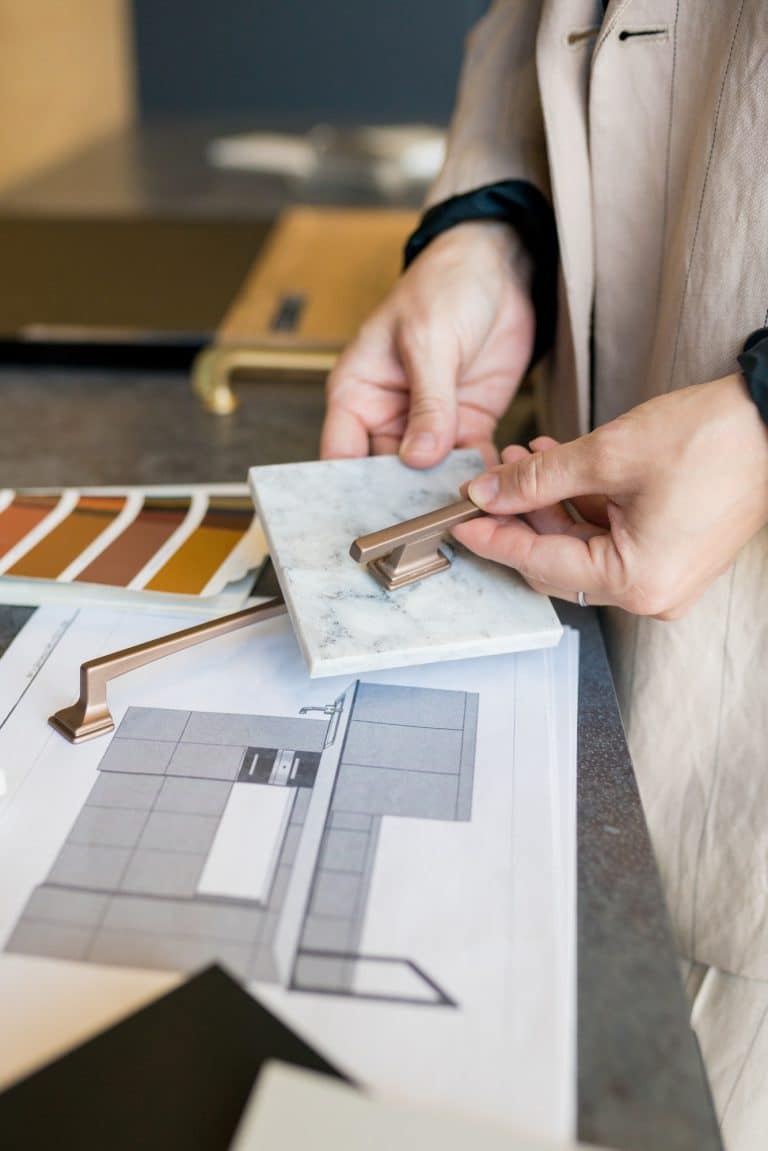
x=177 y=1074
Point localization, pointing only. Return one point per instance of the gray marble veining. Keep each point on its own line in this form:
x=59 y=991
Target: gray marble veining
x=344 y=621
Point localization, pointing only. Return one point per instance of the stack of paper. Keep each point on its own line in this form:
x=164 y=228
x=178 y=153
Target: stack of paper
x=386 y=858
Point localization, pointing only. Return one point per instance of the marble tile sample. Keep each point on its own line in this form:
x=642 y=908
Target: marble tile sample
x=344 y=621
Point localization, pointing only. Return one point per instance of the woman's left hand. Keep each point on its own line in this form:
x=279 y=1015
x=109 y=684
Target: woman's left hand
x=665 y=496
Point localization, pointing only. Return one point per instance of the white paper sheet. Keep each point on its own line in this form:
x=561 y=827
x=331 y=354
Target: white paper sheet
x=288 y=1102
x=451 y=869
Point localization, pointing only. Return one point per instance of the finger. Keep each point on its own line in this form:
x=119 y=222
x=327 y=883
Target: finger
x=431 y=366
x=385 y=445
x=514 y=452
x=591 y=508
x=566 y=596
x=676 y=611
x=386 y=438
x=567 y=562
x=543 y=443
x=555 y=519
x=344 y=435
x=552 y=519
x=579 y=468
x=594 y=509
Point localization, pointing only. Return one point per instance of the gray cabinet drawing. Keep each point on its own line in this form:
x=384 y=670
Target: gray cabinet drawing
x=252 y=840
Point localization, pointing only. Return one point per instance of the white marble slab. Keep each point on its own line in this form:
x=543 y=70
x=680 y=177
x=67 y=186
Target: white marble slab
x=344 y=621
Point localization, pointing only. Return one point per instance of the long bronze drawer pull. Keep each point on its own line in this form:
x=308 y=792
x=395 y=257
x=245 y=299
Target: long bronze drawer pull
x=90 y=716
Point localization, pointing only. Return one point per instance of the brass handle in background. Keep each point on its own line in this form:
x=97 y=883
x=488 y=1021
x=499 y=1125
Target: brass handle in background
x=90 y=716
x=214 y=367
x=409 y=551
x=320 y=273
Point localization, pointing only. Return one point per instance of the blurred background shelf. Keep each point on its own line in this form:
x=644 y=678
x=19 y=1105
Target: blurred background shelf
x=117 y=230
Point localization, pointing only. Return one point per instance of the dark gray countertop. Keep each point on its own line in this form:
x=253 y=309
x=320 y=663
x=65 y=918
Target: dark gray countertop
x=641 y=1083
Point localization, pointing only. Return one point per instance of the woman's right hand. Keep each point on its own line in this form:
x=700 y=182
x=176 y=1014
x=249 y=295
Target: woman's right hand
x=438 y=362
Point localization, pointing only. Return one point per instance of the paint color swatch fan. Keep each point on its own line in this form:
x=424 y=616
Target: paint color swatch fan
x=194 y=547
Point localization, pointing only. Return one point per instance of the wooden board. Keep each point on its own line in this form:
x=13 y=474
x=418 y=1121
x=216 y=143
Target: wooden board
x=321 y=273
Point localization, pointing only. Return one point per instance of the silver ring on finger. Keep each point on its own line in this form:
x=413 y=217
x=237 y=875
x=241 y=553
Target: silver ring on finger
x=581 y=599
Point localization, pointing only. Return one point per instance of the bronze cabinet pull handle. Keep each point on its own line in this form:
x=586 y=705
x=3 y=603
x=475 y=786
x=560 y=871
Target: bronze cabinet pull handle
x=410 y=551
x=90 y=716
x=214 y=368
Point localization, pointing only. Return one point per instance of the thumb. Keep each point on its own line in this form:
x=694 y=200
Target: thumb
x=543 y=479
x=431 y=364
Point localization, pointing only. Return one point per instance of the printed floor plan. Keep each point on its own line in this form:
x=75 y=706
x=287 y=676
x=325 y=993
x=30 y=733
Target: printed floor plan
x=386 y=859
x=252 y=839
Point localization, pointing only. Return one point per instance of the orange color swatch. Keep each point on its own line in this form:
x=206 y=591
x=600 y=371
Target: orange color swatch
x=21 y=516
x=65 y=542
x=201 y=555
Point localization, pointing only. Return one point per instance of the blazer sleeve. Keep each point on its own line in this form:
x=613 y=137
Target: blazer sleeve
x=495 y=166
x=497 y=130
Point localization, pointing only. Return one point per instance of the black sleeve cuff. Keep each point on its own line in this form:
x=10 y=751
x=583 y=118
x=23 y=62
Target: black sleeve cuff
x=520 y=204
x=753 y=362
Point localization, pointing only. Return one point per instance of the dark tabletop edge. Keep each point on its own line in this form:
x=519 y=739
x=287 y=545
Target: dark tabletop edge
x=641 y=1080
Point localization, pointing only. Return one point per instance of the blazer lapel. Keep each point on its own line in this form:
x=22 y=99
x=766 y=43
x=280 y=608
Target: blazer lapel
x=563 y=54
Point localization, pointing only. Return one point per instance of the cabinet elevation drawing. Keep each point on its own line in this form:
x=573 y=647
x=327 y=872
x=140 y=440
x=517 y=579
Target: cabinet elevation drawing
x=253 y=840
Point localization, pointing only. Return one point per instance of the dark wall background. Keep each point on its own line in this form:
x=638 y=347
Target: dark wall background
x=335 y=59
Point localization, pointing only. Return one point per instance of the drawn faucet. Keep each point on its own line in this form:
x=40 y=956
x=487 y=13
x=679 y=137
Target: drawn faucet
x=333 y=711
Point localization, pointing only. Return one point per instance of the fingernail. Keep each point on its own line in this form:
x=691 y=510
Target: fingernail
x=419 y=444
x=484 y=489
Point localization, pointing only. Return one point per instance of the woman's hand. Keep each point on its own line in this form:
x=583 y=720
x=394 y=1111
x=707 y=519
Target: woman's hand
x=437 y=364
x=666 y=496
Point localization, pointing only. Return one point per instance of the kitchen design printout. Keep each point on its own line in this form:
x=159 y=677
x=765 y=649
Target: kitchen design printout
x=387 y=860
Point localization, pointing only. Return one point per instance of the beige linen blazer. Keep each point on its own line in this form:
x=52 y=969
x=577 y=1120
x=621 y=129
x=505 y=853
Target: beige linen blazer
x=648 y=129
